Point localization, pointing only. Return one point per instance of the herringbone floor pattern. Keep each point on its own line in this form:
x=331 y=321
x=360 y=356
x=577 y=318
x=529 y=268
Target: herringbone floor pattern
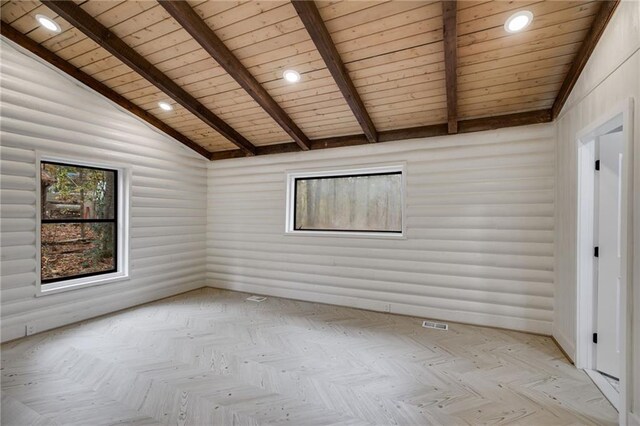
x=210 y=357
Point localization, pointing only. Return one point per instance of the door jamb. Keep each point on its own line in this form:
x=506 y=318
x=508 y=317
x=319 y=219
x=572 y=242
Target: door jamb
x=585 y=313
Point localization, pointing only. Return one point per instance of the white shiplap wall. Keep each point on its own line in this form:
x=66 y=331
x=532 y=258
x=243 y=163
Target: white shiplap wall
x=480 y=223
x=46 y=111
x=611 y=77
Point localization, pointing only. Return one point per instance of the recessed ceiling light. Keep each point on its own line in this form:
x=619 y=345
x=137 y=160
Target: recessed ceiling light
x=165 y=106
x=48 y=23
x=292 y=76
x=518 y=21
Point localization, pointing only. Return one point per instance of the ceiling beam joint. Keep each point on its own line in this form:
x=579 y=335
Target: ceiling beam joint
x=465 y=126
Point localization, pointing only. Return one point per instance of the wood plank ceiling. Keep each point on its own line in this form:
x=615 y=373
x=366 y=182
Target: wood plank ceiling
x=371 y=70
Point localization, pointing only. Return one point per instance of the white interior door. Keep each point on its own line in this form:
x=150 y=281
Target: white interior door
x=609 y=183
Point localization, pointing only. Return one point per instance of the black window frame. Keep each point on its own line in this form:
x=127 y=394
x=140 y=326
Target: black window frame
x=114 y=220
x=341 y=176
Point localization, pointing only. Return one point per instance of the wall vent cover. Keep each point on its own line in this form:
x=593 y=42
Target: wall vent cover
x=435 y=325
x=256 y=299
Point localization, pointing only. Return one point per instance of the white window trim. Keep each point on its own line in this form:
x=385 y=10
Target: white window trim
x=122 y=274
x=291 y=177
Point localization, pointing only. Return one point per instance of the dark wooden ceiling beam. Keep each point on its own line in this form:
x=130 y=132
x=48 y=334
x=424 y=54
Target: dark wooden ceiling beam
x=600 y=22
x=33 y=47
x=206 y=37
x=504 y=121
x=93 y=29
x=464 y=126
x=450 y=39
x=310 y=16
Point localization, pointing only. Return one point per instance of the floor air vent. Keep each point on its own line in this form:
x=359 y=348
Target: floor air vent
x=436 y=325
x=256 y=299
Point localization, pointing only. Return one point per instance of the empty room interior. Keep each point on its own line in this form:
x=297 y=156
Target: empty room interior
x=330 y=212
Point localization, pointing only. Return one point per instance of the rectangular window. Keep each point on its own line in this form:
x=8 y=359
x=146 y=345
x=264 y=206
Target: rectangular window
x=80 y=229
x=361 y=201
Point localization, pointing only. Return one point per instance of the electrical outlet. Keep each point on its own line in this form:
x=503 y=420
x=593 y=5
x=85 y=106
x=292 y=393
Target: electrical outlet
x=387 y=307
x=29 y=329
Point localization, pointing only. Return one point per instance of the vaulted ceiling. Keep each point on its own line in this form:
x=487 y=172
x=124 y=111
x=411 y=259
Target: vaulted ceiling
x=370 y=71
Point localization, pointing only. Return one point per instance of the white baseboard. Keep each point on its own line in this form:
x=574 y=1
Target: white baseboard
x=567 y=345
x=487 y=320
x=15 y=327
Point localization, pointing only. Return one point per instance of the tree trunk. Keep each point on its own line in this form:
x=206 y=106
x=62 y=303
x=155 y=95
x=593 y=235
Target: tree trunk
x=109 y=201
x=83 y=227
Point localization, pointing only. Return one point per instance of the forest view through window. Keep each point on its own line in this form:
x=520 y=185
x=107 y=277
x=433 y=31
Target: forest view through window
x=349 y=203
x=78 y=221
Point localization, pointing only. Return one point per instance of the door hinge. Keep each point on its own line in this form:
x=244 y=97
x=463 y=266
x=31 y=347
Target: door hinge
x=597 y=164
x=596 y=251
x=595 y=337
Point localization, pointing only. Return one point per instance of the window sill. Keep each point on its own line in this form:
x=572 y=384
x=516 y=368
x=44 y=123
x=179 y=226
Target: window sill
x=346 y=234
x=74 y=284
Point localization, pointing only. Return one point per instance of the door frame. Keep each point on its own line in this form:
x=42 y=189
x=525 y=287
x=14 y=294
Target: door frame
x=622 y=114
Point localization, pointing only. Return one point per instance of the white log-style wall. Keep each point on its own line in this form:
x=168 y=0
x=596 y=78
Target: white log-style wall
x=480 y=231
x=46 y=111
x=611 y=76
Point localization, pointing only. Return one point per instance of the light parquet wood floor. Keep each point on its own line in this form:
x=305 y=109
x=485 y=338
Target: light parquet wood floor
x=210 y=357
